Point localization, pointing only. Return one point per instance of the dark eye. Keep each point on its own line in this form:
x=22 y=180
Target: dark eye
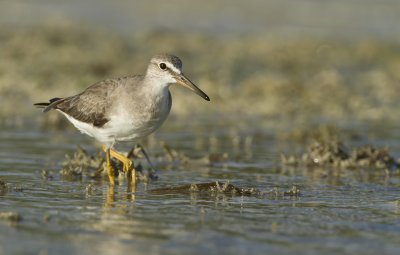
x=163 y=66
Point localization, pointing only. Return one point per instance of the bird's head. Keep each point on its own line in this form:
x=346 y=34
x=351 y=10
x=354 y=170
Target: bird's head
x=168 y=69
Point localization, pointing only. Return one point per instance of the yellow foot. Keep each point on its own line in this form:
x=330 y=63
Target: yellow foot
x=127 y=164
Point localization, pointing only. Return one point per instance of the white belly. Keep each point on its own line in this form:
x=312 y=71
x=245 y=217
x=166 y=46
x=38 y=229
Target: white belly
x=125 y=126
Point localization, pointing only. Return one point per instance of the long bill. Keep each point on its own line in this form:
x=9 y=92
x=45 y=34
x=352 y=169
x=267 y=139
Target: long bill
x=182 y=80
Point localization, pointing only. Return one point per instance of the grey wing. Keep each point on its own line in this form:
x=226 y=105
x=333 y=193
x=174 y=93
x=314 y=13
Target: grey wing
x=91 y=105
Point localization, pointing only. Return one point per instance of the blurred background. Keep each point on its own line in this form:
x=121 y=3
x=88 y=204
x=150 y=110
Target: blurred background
x=293 y=62
x=292 y=84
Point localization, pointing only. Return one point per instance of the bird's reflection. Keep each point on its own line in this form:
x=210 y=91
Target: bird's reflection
x=130 y=196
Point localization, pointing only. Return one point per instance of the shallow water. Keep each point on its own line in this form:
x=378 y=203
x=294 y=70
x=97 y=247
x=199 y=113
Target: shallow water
x=356 y=212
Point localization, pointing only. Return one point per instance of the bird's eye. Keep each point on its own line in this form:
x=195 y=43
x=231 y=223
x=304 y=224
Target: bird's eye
x=163 y=66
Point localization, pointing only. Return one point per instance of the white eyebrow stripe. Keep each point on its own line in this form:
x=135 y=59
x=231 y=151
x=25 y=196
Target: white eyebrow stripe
x=172 y=67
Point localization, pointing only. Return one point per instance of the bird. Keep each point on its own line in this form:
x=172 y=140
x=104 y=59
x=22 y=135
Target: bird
x=124 y=109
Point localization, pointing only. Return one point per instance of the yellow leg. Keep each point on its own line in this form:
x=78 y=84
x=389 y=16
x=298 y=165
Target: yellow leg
x=127 y=164
x=110 y=168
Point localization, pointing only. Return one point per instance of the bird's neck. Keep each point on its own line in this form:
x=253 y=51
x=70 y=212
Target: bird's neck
x=156 y=87
x=158 y=98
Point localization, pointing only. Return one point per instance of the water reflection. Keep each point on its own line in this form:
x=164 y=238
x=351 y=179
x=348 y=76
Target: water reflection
x=129 y=195
x=88 y=216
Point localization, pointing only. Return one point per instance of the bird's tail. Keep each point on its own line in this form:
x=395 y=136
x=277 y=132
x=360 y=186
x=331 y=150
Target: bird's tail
x=49 y=105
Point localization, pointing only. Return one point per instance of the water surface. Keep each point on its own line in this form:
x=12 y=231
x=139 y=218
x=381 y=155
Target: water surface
x=357 y=212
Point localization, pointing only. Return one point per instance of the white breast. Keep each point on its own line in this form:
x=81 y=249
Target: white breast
x=134 y=123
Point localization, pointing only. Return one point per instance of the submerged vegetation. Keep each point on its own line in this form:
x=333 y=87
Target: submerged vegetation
x=296 y=80
x=324 y=151
x=226 y=189
x=335 y=154
x=83 y=165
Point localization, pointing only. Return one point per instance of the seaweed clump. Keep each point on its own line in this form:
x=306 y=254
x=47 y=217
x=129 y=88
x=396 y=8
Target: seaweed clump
x=211 y=187
x=335 y=154
x=8 y=187
x=224 y=188
x=82 y=164
x=3 y=187
x=12 y=217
